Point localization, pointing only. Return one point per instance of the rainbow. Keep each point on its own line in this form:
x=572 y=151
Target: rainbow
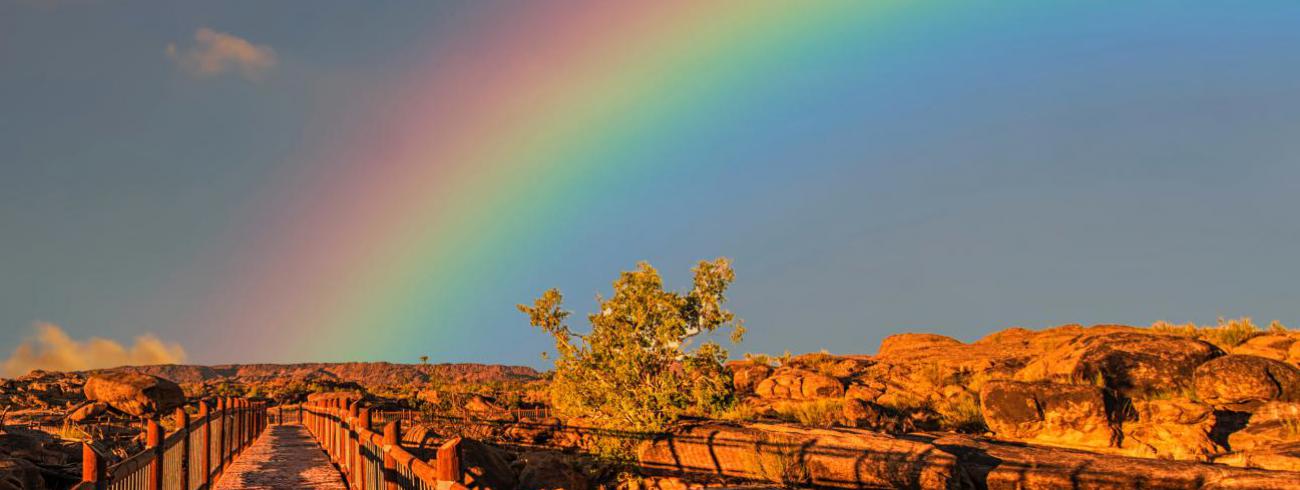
x=501 y=131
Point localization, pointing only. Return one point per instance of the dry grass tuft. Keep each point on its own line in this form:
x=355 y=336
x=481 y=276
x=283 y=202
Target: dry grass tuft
x=1226 y=334
x=961 y=413
x=816 y=413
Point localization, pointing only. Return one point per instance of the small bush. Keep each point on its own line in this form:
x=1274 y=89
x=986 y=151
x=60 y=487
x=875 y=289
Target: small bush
x=1181 y=392
x=817 y=413
x=961 y=413
x=762 y=359
x=740 y=412
x=779 y=462
x=1226 y=334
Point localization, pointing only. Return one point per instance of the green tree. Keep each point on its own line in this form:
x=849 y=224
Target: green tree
x=424 y=359
x=635 y=368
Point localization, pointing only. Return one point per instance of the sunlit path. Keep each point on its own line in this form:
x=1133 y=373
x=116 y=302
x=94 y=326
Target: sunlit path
x=286 y=456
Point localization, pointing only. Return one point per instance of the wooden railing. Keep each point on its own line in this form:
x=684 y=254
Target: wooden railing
x=376 y=461
x=190 y=458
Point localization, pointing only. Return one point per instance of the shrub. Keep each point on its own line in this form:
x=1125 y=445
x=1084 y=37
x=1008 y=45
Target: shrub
x=780 y=462
x=740 y=412
x=961 y=413
x=635 y=370
x=816 y=413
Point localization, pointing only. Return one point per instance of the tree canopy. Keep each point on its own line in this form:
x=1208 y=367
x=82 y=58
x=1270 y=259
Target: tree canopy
x=636 y=369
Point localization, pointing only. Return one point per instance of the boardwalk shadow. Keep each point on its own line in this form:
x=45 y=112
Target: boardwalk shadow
x=285 y=457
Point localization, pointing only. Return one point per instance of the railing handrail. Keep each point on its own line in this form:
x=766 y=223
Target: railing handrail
x=343 y=432
x=241 y=422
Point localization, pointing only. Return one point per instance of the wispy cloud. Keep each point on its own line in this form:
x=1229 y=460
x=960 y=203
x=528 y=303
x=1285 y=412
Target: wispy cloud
x=214 y=53
x=51 y=348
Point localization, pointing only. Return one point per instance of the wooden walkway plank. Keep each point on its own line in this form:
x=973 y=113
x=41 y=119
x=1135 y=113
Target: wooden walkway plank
x=286 y=456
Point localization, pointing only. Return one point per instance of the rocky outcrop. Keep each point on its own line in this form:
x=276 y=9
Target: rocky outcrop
x=1273 y=346
x=902 y=342
x=1271 y=423
x=478 y=404
x=532 y=431
x=1178 y=429
x=1280 y=457
x=135 y=394
x=366 y=374
x=485 y=467
x=1048 y=413
x=745 y=375
x=548 y=470
x=843 y=458
x=1130 y=363
x=994 y=465
x=88 y=411
x=19 y=474
x=799 y=384
x=1238 y=379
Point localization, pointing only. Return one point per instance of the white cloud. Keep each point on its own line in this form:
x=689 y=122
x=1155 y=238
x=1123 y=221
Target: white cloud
x=50 y=348
x=214 y=53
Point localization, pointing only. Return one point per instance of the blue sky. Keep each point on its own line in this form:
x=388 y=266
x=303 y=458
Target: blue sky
x=1027 y=168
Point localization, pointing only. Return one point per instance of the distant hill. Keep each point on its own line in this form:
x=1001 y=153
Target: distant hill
x=363 y=373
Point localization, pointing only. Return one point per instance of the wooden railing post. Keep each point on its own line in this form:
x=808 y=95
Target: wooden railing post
x=205 y=413
x=392 y=439
x=183 y=422
x=221 y=438
x=93 y=468
x=449 y=460
x=239 y=426
x=352 y=446
x=367 y=424
x=153 y=441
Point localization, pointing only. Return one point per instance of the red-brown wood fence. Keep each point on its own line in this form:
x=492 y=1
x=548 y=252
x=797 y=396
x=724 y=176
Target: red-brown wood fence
x=376 y=460
x=190 y=458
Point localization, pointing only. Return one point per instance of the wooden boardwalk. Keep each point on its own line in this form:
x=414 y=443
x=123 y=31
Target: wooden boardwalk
x=286 y=456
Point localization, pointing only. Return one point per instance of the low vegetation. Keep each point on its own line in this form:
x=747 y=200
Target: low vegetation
x=1226 y=334
x=814 y=413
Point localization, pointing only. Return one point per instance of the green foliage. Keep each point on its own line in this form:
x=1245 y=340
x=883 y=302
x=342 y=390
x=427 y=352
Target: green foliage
x=635 y=370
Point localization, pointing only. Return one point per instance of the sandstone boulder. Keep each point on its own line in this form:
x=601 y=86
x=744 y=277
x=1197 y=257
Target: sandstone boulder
x=1236 y=379
x=1279 y=457
x=746 y=375
x=35 y=446
x=997 y=465
x=549 y=470
x=135 y=394
x=1048 y=413
x=1131 y=363
x=480 y=405
x=1271 y=424
x=914 y=341
x=20 y=474
x=1178 y=429
x=797 y=456
x=860 y=414
x=532 y=431
x=485 y=467
x=1272 y=346
x=839 y=367
x=865 y=392
x=88 y=411
x=799 y=384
